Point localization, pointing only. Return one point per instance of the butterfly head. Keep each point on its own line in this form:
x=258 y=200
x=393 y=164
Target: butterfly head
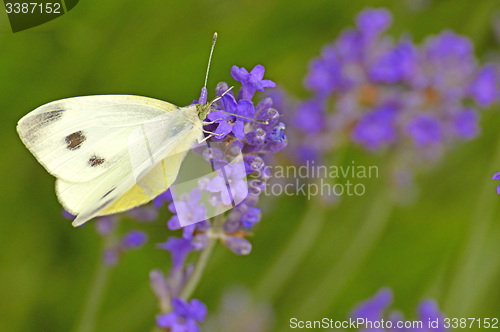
x=203 y=110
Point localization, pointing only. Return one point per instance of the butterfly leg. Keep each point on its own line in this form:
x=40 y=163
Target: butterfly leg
x=212 y=122
x=212 y=133
x=206 y=138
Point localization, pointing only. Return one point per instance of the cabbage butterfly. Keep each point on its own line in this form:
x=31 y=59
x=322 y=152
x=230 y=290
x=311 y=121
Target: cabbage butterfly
x=110 y=153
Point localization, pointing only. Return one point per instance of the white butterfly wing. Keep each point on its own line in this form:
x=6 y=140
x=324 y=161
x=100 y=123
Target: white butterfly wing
x=69 y=135
x=131 y=151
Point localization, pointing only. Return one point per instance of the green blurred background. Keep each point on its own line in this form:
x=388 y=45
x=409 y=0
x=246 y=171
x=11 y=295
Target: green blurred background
x=159 y=49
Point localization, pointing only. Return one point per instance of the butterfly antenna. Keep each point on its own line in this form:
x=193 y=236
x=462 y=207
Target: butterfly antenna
x=210 y=58
x=220 y=97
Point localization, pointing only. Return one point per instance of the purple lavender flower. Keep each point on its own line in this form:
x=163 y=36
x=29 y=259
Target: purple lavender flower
x=179 y=249
x=184 y=317
x=161 y=199
x=235 y=136
x=250 y=217
x=229 y=123
x=383 y=93
x=189 y=211
x=256 y=141
x=230 y=183
x=251 y=82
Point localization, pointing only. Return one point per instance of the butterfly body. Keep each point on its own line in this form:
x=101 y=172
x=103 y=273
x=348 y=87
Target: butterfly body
x=110 y=153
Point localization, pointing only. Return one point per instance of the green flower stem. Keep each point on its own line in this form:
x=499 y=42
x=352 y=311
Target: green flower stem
x=98 y=287
x=464 y=286
x=198 y=270
x=300 y=243
x=330 y=286
x=99 y=283
x=202 y=261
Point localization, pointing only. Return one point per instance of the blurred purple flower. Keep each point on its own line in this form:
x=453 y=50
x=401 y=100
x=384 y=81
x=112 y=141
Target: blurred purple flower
x=425 y=130
x=374 y=309
x=497 y=177
x=376 y=129
x=382 y=93
x=466 y=124
x=374 y=21
x=310 y=117
x=179 y=249
x=398 y=64
x=133 y=240
x=484 y=88
x=105 y=225
x=184 y=317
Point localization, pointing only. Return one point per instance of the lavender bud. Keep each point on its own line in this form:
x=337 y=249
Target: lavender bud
x=160 y=288
x=256 y=137
x=221 y=88
x=238 y=245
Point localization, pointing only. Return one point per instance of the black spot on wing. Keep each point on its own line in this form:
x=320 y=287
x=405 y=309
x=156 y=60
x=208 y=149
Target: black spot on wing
x=32 y=124
x=95 y=161
x=74 y=141
x=51 y=116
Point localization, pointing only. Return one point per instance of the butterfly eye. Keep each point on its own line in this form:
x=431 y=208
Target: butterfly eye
x=75 y=140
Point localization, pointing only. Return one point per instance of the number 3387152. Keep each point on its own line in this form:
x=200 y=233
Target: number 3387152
x=33 y=7
x=462 y=323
